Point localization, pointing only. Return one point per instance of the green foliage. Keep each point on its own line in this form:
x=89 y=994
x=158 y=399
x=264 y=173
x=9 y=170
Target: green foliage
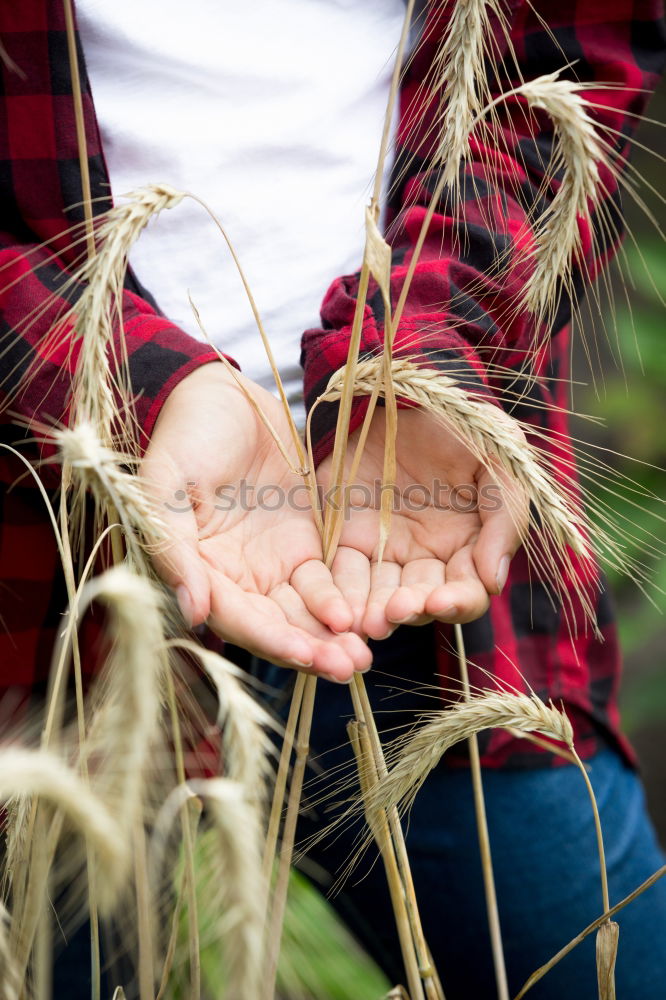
x=629 y=396
x=320 y=960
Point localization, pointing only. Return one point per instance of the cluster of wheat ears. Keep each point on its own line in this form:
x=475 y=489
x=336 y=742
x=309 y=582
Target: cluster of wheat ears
x=115 y=782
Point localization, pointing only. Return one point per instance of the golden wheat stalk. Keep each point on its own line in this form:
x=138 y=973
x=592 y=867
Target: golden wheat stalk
x=492 y=909
x=378 y=825
x=423 y=751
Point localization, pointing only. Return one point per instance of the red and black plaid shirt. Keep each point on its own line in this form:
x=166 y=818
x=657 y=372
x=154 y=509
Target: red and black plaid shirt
x=456 y=314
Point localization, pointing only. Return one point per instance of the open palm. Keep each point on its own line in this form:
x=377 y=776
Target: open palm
x=244 y=552
x=454 y=527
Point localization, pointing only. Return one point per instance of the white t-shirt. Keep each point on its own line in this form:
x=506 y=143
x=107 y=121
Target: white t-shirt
x=272 y=113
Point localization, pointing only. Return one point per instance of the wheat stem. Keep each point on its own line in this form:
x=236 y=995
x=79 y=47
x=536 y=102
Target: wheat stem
x=279 y=901
x=597 y=827
x=277 y=805
x=80 y=127
x=143 y=911
x=398 y=856
x=378 y=824
x=483 y=834
x=189 y=875
x=563 y=952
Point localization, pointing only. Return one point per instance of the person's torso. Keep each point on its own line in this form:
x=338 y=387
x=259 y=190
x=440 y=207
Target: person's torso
x=272 y=114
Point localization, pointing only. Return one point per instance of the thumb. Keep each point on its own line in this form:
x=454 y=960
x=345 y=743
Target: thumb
x=177 y=558
x=504 y=513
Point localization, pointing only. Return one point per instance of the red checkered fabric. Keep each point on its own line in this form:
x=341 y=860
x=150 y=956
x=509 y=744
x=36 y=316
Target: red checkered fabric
x=456 y=314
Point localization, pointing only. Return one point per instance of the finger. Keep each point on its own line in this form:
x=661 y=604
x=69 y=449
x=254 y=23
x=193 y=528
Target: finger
x=463 y=597
x=418 y=580
x=258 y=624
x=384 y=581
x=504 y=513
x=334 y=656
x=351 y=573
x=313 y=581
x=177 y=558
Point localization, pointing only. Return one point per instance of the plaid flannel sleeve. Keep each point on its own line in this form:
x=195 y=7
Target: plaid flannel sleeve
x=461 y=313
x=40 y=200
x=37 y=369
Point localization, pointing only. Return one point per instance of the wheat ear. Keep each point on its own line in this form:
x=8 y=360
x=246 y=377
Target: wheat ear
x=461 y=78
x=42 y=775
x=236 y=884
x=489 y=432
x=579 y=153
x=99 y=470
x=423 y=751
x=98 y=310
x=125 y=725
x=244 y=723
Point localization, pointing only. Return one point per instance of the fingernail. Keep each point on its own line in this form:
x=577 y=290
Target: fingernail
x=502 y=573
x=184 y=599
x=337 y=680
x=450 y=612
x=299 y=663
x=405 y=621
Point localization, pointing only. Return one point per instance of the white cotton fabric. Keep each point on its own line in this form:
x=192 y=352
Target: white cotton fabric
x=269 y=111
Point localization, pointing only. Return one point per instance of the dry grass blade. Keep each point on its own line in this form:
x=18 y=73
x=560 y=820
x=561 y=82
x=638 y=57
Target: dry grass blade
x=606 y=947
x=39 y=774
x=489 y=432
x=423 y=751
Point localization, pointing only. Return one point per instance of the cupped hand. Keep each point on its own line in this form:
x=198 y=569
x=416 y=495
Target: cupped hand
x=244 y=552
x=455 y=526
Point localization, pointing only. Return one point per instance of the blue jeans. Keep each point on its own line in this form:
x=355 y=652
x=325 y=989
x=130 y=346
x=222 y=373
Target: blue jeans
x=544 y=854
